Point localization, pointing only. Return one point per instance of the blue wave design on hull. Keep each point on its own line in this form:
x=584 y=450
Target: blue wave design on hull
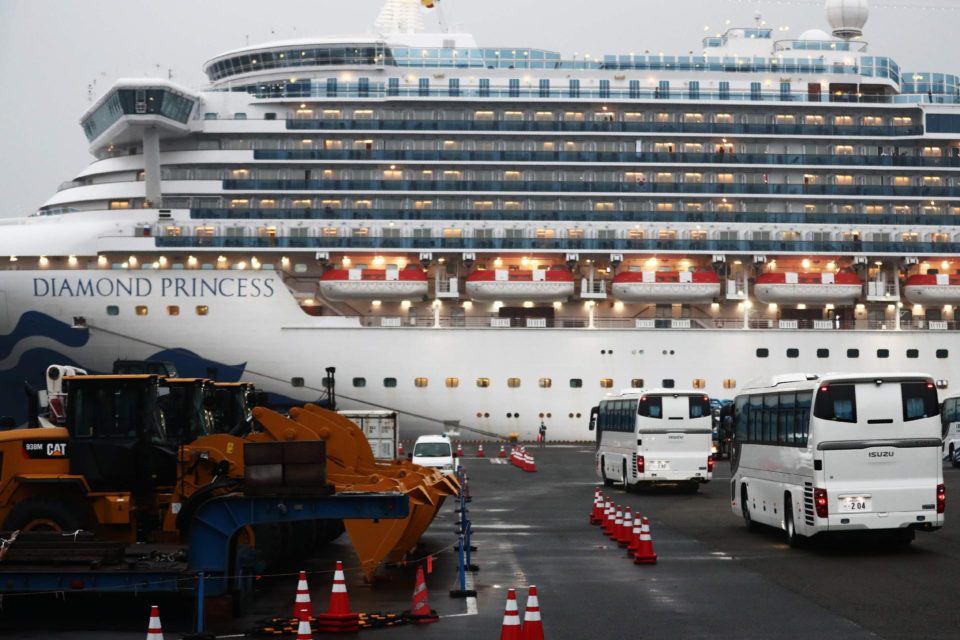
x=34 y=323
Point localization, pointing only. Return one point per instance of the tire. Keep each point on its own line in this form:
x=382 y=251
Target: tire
x=902 y=538
x=603 y=473
x=953 y=458
x=794 y=539
x=690 y=487
x=41 y=513
x=745 y=510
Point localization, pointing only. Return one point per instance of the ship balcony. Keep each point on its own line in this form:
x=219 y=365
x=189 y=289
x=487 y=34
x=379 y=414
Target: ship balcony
x=882 y=292
x=591 y=289
x=447 y=288
x=735 y=290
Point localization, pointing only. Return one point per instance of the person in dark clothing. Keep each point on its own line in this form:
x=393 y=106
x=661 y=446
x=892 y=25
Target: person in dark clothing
x=543 y=433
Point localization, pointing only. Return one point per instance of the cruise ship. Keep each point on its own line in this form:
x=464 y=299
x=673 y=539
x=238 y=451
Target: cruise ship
x=494 y=238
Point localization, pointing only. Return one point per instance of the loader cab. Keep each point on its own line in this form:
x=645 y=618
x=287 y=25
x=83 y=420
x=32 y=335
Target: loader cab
x=186 y=405
x=233 y=406
x=161 y=368
x=118 y=436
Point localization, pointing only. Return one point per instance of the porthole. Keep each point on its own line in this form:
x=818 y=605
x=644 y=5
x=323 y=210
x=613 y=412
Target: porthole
x=296 y=382
x=479 y=414
x=141 y=310
x=913 y=353
x=943 y=354
x=729 y=383
x=202 y=310
x=578 y=415
x=546 y=383
x=823 y=353
x=113 y=310
x=509 y=415
x=669 y=383
x=541 y=415
x=486 y=414
x=390 y=383
x=570 y=415
x=636 y=383
x=883 y=353
x=173 y=310
x=549 y=415
x=452 y=383
x=763 y=353
x=576 y=383
x=420 y=382
x=359 y=382
x=853 y=353
x=483 y=383
x=793 y=353
x=513 y=383
x=606 y=383
x=699 y=383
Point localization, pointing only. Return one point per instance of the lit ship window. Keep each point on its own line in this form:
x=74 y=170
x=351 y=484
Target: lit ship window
x=513 y=383
x=420 y=382
x=452 y=383
x=699 y=383
x=142 y=310
x=729 y=383
x=173 y=310
x=636 y=383
x=606 y=383
x=546 y=383
x=483 y=383
x=203 y=310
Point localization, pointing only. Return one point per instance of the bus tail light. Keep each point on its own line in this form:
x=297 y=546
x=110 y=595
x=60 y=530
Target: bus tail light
x=820 y=501
x=640 y=464
x=941 y=498
x=710 y=464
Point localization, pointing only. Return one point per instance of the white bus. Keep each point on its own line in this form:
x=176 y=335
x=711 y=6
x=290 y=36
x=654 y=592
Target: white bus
x=840 y=452
x=950 y=419
x=654 y=436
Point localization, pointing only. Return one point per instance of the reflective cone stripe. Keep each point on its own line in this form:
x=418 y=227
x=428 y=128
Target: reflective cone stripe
x=635 y=537
x=623 y=539
x=511 y=619
x=645 y=553
x=154 y=630
x=302 y=607
x=304 y=632
x=532 y=624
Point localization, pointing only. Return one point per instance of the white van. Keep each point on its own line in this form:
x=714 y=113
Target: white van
x=950 y=421
x=436 y=452
x=655 y=436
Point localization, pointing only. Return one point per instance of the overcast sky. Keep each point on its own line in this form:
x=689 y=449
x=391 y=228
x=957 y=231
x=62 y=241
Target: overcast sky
x=52 y=50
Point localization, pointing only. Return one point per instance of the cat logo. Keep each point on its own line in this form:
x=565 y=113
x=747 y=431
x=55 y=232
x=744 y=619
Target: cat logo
x=45 y=450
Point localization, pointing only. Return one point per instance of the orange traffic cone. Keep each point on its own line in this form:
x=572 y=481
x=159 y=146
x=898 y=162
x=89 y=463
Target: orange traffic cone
x=420 y=611
x=623 y=537
x=607 y=515
x=503 y=452
x=511 y=619
x=529 y=464
x=597 y=510
x=400 y=453
x=154 y=630
x=304 y=632
x=480 y=453
x=635 y=537
x=617 y=524
x=532 y=625
x=302 y=608
x=338 y=617
x=459 y=450
x=645 y=553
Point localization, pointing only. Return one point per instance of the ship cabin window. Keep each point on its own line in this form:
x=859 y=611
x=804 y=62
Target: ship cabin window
x=452 y=383
x=300 y=268
x=513 y=383
x=853 y=353
x=883 y=353
x=606 y=383
x=210 y=115
x=725 y=178
x=483 y=383
x=576 y=383
x=513 y=115
x=843 y=150
x=693 y=117
x=240 y=116
x=913 y=353
x=636 y=383
x=931 y=152
x=873 y=121
x=173 y=310
x=359 y=382
x=943 y=354
x=723 y=118
x=296 y=382
x=120 y=204
x=573 y=116
x=844 y=180
x=113 y=310
x=142 y=310
x=483 y=115
x=662 y=117
x=729 y=383
x=420 y=383
x=902 y=121
x=546 y=383
x=669 y=383
x=763 y=353
x=699 y=383
x=793 y=353
x=813 y=119
x=390 y=383
x=932 y=181
x=843 y=120
x=632 y=116
x=785 y=118
x=543 y=116
x=202 y=310
x=823 y=353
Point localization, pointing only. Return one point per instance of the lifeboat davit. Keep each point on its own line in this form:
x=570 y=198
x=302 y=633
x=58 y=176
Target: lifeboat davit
x=540 y=285
x=375 y=284
x=808 y=288
x=690 y=287
x=933 y=289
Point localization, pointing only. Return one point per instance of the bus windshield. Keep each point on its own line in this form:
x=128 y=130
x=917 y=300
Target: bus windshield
x=432 y=450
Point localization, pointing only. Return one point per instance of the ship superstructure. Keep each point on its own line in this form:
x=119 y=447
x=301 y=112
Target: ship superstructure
x=497 y=236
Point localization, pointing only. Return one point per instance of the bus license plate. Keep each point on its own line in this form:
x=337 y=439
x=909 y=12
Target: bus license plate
x=659 y=465
x=855 y=504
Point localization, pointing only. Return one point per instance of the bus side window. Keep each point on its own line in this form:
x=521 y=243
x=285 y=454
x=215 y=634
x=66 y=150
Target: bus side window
x=804 y=400
x=651 y=407
x=754 y=418
x=594 y=411
x=740 y=418
x=788 y=404
x=771 y=407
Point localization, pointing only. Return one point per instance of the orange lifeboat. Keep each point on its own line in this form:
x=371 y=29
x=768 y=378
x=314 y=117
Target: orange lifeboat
x=933 y=289
x=540 y=285
x=375 y=284
x=808 y=288
x=666 y=286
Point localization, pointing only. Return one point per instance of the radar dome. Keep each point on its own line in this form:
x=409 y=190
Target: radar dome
x=815 y=34
x=847 y=17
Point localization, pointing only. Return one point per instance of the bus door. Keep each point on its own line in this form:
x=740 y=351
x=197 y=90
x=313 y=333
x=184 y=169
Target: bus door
x=880 y=445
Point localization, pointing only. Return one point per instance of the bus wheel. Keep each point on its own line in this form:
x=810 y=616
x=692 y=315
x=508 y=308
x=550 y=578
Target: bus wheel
x=794 y=539
x=745 y=509
x=953 y=458
x=690 y=487
x=607 y=482
x=903 y=537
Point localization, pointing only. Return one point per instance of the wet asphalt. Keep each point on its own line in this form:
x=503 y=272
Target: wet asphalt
x=714 y=579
